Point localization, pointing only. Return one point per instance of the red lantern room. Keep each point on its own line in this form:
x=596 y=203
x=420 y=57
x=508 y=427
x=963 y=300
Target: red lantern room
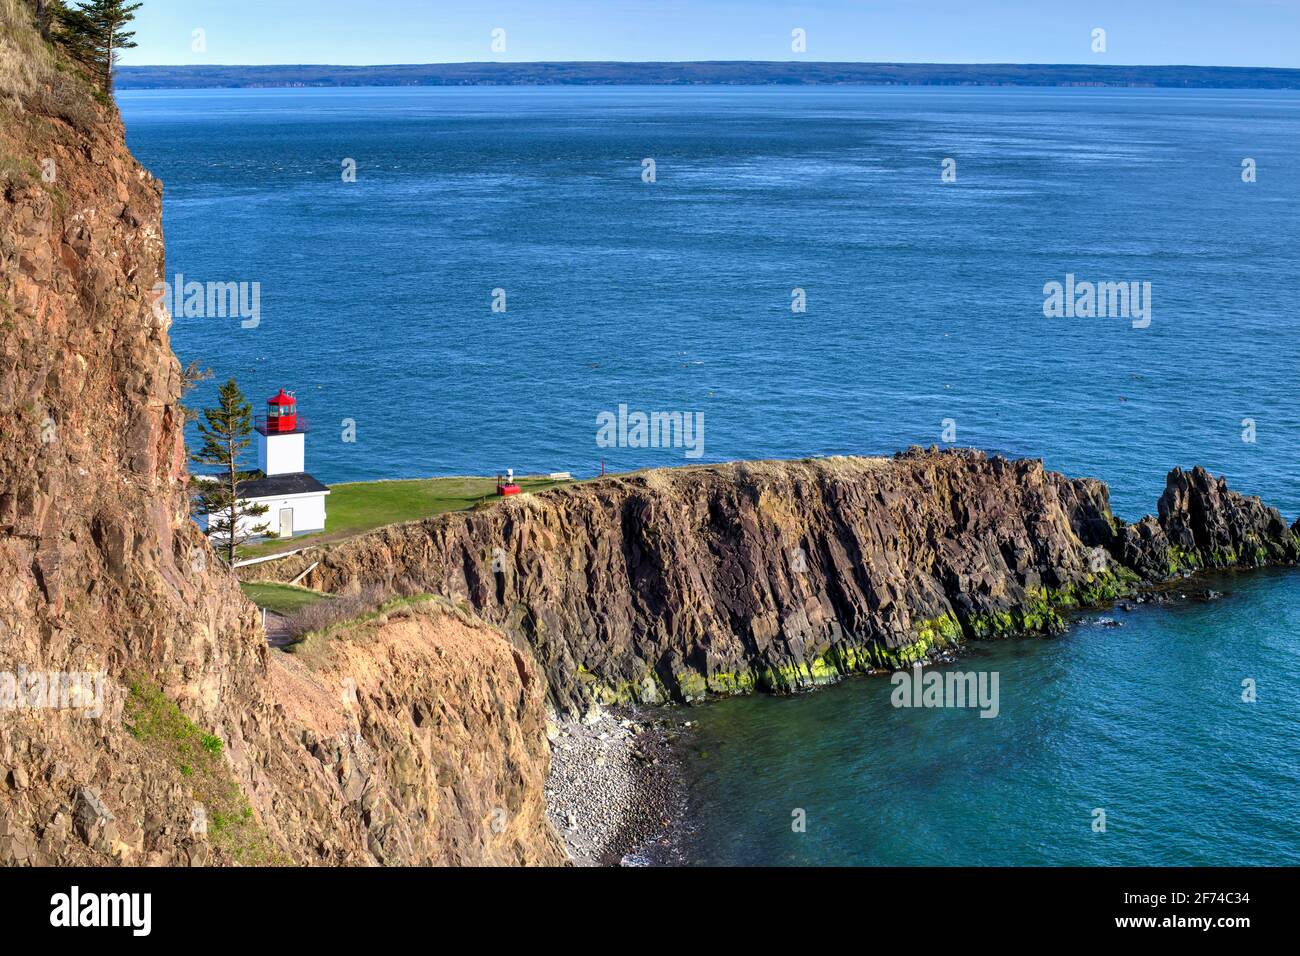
x=281 y=415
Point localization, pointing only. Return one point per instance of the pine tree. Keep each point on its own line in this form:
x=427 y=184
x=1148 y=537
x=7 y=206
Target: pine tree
x=225 y=431
x=50 y=16
x=71 y=29
x=191 y=376
x=95 y=30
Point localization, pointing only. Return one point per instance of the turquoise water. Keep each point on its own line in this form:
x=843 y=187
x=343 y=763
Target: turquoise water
x=1145 y=721
x=924 y=303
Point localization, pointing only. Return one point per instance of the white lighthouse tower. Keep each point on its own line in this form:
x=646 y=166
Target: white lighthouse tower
x=281 y=437
x=295 y=501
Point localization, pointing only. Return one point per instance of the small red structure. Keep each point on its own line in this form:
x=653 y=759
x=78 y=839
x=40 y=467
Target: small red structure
x=281 y=416
x=508 y=486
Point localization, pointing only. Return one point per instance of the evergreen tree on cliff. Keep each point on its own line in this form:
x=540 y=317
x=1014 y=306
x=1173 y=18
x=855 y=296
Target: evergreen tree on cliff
x=67 y=27
x=94 y=31
x=225 y=431
x=51 y=17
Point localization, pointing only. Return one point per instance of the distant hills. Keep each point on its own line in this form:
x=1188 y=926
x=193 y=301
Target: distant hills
x=727 y=72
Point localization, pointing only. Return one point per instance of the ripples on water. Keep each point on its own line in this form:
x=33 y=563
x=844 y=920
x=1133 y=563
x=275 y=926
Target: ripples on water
x=924 y=303
x=924 y=299
x=1144 y=721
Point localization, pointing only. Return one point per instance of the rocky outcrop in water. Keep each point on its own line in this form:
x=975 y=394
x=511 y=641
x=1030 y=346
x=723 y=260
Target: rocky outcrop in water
x=679 y=583
x=1203 y=525
x=202 y=750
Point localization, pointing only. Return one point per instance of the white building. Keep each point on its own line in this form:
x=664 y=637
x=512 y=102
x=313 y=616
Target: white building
x=295 y=501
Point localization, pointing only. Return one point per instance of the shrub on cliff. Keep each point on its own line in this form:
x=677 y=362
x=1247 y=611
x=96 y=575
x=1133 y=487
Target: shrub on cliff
x=172 y=741
x=325 y=614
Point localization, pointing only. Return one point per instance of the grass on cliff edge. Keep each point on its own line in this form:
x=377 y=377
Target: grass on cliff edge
x=175 y=741
x=24 y=56
x=281 y=598
x=361 y=506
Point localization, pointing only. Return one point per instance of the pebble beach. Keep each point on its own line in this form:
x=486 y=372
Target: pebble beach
x=614 y=792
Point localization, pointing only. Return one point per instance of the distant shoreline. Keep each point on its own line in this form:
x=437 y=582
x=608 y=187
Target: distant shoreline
x=708 y=73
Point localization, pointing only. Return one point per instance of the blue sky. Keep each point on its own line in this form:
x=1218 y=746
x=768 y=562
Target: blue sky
x=1201 y=32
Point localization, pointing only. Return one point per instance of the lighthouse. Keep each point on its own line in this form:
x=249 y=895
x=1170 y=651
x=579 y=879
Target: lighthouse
x=295 y=501
x=281 y=436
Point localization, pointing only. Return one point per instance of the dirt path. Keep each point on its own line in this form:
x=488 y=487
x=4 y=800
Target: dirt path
x=277 y=630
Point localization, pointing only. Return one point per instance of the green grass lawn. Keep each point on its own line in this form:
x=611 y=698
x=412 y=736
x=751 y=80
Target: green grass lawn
x=364 y=505
x=281 y=598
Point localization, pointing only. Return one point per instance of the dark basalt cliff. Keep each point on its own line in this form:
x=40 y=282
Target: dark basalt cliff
x=679 y=583
x=1203 y=525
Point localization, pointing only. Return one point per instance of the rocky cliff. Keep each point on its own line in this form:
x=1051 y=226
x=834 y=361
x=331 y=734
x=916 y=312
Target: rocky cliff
x=418 y=736
x=197 y=756
x=777 y=575
x=440 y=742
x=1200 y=525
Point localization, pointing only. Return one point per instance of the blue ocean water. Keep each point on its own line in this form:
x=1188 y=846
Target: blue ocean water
x=924 y=305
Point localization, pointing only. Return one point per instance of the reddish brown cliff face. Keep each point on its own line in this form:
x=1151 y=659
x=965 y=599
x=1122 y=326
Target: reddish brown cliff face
x=101 y=569
x=441 y=741
x=97 y=552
